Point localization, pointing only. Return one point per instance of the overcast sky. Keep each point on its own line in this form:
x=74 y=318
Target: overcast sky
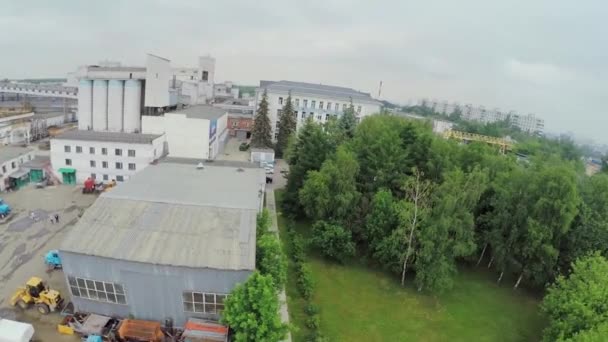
x=543 y=57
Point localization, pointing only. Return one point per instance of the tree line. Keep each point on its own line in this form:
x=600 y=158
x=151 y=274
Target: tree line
x=418 y=205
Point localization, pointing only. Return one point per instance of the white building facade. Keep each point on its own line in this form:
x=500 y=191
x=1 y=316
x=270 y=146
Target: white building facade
x=313 y=100
x=198 y=132
x=104 y=156
x=11 y=158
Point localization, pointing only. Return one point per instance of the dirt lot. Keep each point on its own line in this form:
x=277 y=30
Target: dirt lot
x=24 y=242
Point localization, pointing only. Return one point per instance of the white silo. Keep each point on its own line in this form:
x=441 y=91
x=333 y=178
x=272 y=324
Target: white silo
x=115 y=105
x=132 y=106
x=100 y=105
x=85 y=103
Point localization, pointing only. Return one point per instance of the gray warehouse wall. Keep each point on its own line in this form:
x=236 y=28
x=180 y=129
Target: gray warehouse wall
x=154 y=292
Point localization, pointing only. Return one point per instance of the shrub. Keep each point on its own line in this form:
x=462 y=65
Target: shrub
x=305 y=283
x=271 y=260
x=333 y=241
x=313 y=322
x=298 y=248
x=311 y=309
x=262 y=223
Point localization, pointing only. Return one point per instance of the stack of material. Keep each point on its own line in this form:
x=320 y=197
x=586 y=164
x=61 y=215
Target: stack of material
x=140 y=330
x=198 y=330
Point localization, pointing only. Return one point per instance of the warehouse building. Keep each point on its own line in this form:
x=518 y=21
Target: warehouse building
x=170 y=243
x=193 y=132
x=104 y=156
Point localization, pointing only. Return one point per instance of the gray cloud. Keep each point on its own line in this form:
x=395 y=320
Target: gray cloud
x=546 y=57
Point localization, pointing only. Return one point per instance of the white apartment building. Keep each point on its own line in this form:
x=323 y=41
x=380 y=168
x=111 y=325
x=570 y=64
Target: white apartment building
x=198 y=132
x=313 y=100
x=77 y=155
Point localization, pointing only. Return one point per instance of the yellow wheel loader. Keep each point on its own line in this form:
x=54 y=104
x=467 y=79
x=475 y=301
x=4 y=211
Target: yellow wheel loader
x=35 y=292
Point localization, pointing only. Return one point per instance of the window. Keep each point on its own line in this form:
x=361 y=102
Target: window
x=205 y=75
x=3 y=168
x=120 y=178
x=104 y=164
x=337 y=107
x=328 y=105
x=105 y=177
x=118 y=152
x=343 y=106
x=104 y=151
x=276 y=135
x=358 y=109
x=93 y=175
x=97 y=290
x=131 y=153
x=234 y=123
x=92 y=163
x=68 y=162
x=295 y=114
x=13 y=165
x=279 y=112
x=320 y=104
x=305 y=103
x=313 y=103
x=131 y=166
x=280 y=100
x=67 y=149
x=78 y=149
x=201 y=302
x=29 y=157
x=118 y=166
x=326 y=117
x=297 y=102
x=92 y=150
x=319 y=117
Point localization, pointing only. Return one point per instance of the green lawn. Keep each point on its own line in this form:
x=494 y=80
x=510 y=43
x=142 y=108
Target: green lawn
x=361 y=304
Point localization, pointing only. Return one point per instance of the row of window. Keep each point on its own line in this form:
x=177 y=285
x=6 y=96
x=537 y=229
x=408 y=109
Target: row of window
x=14 y=163
x=313 y=105
x=103 y=291
x=104 y=151
x=104 y=164
x=106 y=177
x=236 y=123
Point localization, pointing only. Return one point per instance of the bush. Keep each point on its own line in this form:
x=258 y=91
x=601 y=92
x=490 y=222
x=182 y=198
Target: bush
x=271 y=260
x=311 y=309
x=316 y=336
x=305 y=283
x=333 y=241
x=313 y=322
x=262 y=223
x=298 y=248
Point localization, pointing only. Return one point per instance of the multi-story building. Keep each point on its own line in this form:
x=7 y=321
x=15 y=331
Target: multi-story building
x=104 y=156
x=240 y=116
x=313 y=100
x=11 y=160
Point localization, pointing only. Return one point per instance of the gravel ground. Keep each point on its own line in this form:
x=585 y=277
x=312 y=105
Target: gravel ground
x=24 y=242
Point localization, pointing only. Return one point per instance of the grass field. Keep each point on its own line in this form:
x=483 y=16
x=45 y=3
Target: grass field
x=361 y=304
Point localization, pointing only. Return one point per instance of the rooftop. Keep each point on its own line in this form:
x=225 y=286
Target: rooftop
x=39 y=162
x=116 y=68
x=316 y=89
x=206 y=220
x=201 y=112
x=11 y=152
x=131 y=138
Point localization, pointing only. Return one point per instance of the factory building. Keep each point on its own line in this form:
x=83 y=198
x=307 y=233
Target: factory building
x=171 y=243
x=12 y=175
x=104 y=156
x=198 y=131
x=195 y=85
x=313 y=100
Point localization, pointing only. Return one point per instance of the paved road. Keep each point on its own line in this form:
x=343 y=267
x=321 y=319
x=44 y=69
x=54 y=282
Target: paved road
x=271 y=206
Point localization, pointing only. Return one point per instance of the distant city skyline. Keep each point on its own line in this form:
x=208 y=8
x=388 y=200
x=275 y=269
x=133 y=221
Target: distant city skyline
x=541 y=57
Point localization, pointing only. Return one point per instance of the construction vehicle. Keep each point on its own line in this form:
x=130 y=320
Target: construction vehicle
x=35 y=292
x=52 y=259
x=90 y=187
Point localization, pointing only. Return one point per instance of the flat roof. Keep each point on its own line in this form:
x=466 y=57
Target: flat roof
x=39 y=162
x=131 y=138
x=201 y=112
x=178 y=215
x=11 y=152
x=316 y=89
x=116 y=68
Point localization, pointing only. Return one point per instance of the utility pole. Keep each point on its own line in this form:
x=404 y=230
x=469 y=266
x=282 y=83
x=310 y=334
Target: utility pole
x=380 y=90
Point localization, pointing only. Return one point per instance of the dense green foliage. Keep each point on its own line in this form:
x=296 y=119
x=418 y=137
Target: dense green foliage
x=577 y=306
x=261 y=133
x=270 y=259
x=333 y=240
x=251 y=310
x=287 y=126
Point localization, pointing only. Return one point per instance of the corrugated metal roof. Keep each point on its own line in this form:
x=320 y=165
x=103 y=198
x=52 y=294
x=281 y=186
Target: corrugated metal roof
x=11 y=152
x=201 y=112
x=131 y=138
x=298 y=88
x=223 y=187
x=166 y=234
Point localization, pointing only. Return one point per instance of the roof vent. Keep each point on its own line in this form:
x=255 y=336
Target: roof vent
x=200 y=166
